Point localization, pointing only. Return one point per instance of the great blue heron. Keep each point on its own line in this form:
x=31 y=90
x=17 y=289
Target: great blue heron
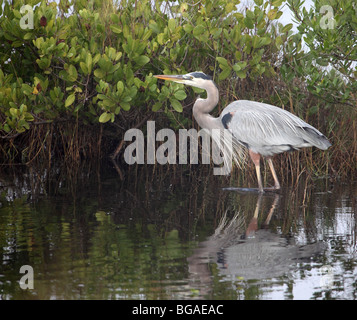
x=263 y=129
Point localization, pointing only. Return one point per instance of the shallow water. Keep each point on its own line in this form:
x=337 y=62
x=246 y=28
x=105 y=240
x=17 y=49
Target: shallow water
x=177 y=235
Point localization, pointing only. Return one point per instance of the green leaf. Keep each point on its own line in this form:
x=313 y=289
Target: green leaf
x=198 y=30
x=116 y=29
x=13 y=112
x=172 y=25
x=6 y=128
x=287 y=27
x=156 y=107
x=236 y=67
x=180 y=95
x=125 y=106
x=241 y=74
x=272 y=14
x=147 y=35
x=17 y=14
x=43 y=63
x=154 y=26
x=89 y=62
x=108 y=103
x=216 y=32
x=96 y=58
x=188 y=28
x=84 y=68
x=115 y=18
x=276 y=3
x=70 y=99
x=99 y=73
x=29 y=117
x=28 y=36
x=72 y=73
x=120 y=87
x=141 y=60
x=222 y=61
x=23 y=108
x=248 y=23
x=26 y=89
x=105 y=64
x=100 y=28
x=224 y=74
x=176 y=105
x=279 y=41
x=161 y=38
x=105 y=117
x=229 y=7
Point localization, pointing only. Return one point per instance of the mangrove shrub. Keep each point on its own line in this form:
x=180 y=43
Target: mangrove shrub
x=86 y=67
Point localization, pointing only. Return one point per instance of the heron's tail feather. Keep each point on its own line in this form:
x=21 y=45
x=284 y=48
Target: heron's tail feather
x=314 y=137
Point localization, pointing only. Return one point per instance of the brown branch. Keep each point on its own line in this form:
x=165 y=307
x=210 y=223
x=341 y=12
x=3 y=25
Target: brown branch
x=120 y=145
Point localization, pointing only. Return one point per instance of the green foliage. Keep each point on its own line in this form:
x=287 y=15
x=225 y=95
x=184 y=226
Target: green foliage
x=95 y=60
x=328 y=64
x=89 y=63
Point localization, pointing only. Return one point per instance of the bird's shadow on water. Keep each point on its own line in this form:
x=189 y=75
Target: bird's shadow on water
x=242 y=190
x=247 y=251
x=252 y=190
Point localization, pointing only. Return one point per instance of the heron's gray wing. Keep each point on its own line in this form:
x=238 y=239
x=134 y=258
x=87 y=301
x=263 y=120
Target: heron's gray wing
x=268 y=130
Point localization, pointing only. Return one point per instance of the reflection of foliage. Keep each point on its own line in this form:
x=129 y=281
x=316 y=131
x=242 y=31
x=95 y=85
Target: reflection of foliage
x=130 y=240
x=139 y=259
x=135 y=246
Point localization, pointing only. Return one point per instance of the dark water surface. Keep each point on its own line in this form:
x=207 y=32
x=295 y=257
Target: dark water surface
x=177 y=235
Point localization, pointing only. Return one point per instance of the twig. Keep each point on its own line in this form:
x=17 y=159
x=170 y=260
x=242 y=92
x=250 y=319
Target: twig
x=120 y=145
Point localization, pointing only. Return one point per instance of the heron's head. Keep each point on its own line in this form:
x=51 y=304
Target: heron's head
x=193 y=79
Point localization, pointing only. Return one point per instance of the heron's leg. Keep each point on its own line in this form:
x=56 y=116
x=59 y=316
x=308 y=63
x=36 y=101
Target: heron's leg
x=271 y=211
x=253 y=225
x=276 y=181
x=256 y=160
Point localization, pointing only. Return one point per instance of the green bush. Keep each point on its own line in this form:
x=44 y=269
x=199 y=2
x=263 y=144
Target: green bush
x=95 y=60
x=329 y=64
x=86 y=63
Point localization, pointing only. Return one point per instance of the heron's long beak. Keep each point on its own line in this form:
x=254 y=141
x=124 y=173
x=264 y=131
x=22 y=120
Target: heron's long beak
x=176 y=78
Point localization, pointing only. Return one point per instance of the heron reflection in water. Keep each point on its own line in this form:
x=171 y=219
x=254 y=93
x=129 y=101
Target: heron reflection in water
x=248 y=252
x=260 y=128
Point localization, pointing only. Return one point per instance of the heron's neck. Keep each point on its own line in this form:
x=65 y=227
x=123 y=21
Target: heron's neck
x=202 y=107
